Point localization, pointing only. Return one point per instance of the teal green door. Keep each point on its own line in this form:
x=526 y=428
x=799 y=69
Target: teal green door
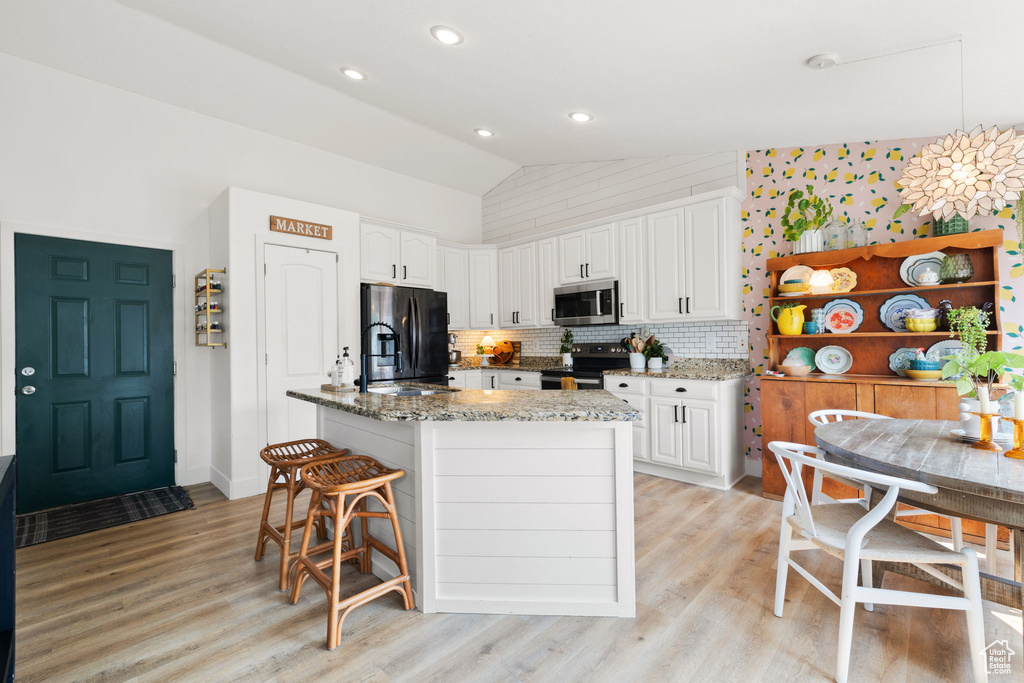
x=95 y=405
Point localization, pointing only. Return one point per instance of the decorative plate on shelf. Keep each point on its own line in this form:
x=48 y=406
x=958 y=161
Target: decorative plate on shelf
x=843 y=315
x=947 y=347
x=804 y=355
x=843 y=280
x=893 y=311
x=899 y=360
x=913 y=266
x=802 y=273
x=834 y=360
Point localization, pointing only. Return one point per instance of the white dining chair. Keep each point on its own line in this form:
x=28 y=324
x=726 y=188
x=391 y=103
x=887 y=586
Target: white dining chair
x=858 y=537
x=822 y=417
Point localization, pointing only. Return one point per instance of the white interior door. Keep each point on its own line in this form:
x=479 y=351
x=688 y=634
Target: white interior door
x=301 y=301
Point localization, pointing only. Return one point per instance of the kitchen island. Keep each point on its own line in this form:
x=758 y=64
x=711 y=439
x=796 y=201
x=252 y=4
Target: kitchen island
x=513 y=502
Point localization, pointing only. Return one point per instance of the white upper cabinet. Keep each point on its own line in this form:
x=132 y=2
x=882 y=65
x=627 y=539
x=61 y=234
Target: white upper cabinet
x=601 y=246
x=632 y=266
x=572 y=257
x=517 y=286
x=453 y=278
x=483 y=289
x=587 y=254
x=397 y=256
x=712 y=244
x=693 y=262
x=547 y=280
x=665 y=265
x=379 y=253
x=417 y=260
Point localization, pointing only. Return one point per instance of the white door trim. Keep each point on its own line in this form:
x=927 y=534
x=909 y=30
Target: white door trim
x=181 y=305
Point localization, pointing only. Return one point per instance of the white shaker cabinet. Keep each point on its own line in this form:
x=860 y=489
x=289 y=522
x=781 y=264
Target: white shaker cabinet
x=693 y=261
x=632 y=267
x=453 y=278
x=587 y=254
x=400 y=257
x=547 y=280
x=483 y=289
x=517 y=286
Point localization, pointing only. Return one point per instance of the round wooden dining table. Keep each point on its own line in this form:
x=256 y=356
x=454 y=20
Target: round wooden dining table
x=973 y=484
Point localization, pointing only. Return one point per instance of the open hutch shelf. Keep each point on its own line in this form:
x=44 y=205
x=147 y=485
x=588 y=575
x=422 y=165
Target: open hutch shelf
x=209 y=308
x=878 y=278
x=870 y=385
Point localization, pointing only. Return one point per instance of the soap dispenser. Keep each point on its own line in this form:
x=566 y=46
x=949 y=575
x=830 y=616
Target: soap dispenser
x=347 y=369
x=335 y=373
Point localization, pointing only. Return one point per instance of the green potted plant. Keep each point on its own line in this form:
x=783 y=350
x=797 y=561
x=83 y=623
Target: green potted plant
x=655 y=354
x=566 y=348
x=802 y=219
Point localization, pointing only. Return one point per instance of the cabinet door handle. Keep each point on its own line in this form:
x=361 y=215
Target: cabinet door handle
x=492 y=381
x=552 y=315
x=623 y=385
x=450 y=378
x=492 y=318
x=405 y=272
x=687 y=304
x=588 y=270
x=449 y=318
x=675 y=409
x=680 y=388
x=394 y=271
x=684 y=414
x=622 y=309
x=519 y=379
x=581 y=272
x=680 y=304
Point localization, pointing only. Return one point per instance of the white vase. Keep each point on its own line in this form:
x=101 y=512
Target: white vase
x=654 y=363
x=567 y=359
x=809 y=241
x=637 y=361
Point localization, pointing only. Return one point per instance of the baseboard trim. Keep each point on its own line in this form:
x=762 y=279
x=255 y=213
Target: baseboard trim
x=752 y=467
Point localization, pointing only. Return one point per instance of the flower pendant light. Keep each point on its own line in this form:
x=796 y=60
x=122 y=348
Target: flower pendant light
x=976 y=173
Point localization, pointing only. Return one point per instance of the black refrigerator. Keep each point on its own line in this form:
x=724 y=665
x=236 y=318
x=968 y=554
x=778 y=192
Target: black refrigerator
x=419 y=318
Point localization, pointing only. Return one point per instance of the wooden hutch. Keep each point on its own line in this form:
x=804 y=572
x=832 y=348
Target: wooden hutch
x=870 y=385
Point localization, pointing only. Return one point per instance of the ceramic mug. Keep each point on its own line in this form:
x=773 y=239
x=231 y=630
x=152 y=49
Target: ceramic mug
x=811 y=328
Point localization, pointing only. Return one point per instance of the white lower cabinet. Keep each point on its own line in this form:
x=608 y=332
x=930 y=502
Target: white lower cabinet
x=473 y=379
x=518 y=381
x=458 y=379
x=488 y=379
x=691 y=429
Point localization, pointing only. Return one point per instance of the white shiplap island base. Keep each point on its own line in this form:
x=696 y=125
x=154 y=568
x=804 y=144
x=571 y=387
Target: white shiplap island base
x=512 y=503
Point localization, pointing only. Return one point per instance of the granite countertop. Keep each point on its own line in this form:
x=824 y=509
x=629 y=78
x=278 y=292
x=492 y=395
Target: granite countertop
x=474 y=405
x=524 y=364
x=715 y=369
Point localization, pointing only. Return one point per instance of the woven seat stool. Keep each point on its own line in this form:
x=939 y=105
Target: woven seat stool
x=341 y=487
x=285 y=460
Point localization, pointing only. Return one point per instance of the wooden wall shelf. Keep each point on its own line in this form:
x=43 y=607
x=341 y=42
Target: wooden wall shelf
x=206 y=316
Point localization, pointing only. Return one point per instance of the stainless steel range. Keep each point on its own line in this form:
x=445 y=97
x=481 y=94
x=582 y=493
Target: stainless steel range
x=589 y=363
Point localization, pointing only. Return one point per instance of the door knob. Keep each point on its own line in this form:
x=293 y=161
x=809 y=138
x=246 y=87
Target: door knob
x=28 y=391
x=28 y=372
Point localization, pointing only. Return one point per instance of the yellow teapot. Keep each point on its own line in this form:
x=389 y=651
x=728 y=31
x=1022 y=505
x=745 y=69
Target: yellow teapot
x=790 y=319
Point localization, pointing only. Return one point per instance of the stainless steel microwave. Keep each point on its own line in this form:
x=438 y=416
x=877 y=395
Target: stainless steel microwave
x=588 y=303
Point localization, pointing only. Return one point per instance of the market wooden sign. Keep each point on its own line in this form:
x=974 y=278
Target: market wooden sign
x=304 y=228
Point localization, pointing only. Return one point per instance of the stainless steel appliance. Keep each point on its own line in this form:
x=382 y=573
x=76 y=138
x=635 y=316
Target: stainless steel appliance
x=416 y=348
x=588 y=303
x=589 y=361
x=454 y=355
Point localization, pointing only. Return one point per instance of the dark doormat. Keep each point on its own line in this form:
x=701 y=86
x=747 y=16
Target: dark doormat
x=80 y=518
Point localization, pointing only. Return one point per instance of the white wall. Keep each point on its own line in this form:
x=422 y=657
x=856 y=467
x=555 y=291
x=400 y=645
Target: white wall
x=95 y=162
x=538 y=199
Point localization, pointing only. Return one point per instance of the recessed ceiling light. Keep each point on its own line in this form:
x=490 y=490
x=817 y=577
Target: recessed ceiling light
x=448 y=36
x=353 y=74
x=581 y=117
x=484 y=133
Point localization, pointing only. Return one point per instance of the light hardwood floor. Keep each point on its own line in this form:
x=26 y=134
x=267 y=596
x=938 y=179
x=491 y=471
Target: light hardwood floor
x=179 y=598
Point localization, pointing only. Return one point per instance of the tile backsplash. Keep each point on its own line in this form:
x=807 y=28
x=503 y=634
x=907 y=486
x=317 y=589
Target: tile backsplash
x=689 y=340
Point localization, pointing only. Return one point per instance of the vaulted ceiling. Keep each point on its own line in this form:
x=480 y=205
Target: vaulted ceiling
x=661 y=77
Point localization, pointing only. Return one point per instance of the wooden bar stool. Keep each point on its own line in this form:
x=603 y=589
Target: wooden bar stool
x=285 y=459
x=341 y=486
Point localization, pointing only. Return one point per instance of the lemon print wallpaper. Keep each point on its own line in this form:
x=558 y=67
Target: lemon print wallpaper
x=859 y=178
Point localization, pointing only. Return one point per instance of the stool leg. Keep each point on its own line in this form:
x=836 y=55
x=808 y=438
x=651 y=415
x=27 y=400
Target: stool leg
x=262 y=538
x=366 y=557
x=299 y=570
x=403 y=567
x=286 y=542
x=341 y=521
